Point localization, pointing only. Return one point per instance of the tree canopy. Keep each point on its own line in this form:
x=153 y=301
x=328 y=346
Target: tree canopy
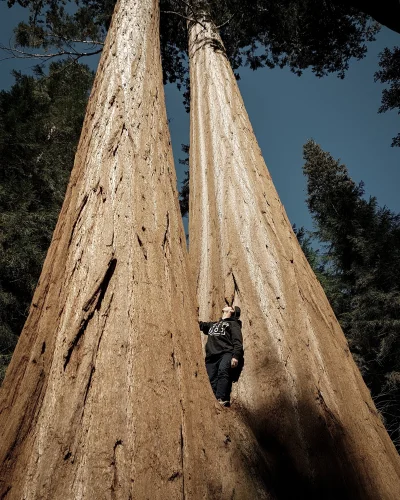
x=299 y=34
x=295 y=33
x=386 y=12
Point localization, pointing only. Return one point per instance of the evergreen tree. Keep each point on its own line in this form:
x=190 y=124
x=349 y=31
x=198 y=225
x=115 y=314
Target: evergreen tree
x=362 y=243
x=390 y=73
x=319 y=262
x=40 y=123
x=184 y=191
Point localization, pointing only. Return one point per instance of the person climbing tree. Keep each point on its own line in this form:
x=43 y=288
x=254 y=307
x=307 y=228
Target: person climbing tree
x=224 y=352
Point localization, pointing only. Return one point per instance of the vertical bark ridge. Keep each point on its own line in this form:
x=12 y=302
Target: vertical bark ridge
x=300 y=391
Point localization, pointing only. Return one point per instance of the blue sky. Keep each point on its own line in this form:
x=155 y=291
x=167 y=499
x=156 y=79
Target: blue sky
x=341 y=115
x=285 y=111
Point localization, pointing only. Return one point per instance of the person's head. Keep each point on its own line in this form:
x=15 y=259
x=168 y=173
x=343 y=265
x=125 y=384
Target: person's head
x=231 y=312
x=227 y=312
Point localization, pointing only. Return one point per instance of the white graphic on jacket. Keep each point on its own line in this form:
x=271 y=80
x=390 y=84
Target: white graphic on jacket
x=224 y=336
x=219 y=328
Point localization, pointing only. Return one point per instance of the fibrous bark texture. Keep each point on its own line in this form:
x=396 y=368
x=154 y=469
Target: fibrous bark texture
x=300 y=391
x=106 y=396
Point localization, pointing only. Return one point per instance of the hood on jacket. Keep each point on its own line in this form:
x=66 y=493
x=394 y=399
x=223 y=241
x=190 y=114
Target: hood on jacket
x=233 y=319
x=236 y=314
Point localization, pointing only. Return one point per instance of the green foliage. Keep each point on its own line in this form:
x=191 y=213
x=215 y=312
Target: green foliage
x=390 y=73
x=40 y=123
x=360 y=269
x=299 y=34
x=320 y=263
x=305 y=239
x=184 y=191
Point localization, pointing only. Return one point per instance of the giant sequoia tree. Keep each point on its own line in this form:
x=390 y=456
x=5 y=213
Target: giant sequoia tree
x=105 y=396
x=301 y=392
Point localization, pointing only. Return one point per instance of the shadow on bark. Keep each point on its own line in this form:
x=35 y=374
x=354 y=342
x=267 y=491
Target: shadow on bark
x=203 y=41
x=315 y=467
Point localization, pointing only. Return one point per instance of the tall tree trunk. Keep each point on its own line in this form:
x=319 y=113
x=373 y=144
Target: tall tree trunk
x=106 y=395
x=300 y=391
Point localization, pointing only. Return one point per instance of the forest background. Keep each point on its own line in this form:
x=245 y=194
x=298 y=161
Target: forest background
x=340 y=115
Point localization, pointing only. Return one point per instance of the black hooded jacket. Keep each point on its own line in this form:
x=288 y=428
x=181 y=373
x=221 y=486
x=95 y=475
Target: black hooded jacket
x=224 y=336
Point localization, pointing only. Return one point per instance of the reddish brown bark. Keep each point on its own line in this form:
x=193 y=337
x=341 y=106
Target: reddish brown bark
x=106 y=395
x=300 y=392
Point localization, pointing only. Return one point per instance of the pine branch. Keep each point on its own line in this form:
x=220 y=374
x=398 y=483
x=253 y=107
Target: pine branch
x=226 y=22
x=89 y=42
x=179 y=15
x=22 y=54
x=189 y=6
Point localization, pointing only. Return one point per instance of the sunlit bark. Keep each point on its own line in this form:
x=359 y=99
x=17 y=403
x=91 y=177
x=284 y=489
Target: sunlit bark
x=300 y=392
x=106 y=395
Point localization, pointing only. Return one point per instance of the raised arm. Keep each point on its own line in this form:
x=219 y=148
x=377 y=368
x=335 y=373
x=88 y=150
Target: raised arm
x=205 y=326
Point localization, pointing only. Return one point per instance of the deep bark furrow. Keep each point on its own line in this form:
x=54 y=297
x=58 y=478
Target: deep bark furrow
x=141 y=245
x=165 y=239
x=77 y=338
x=92 y=305
x=93 y=368
x=27 y=422
x=115 y=470
x=183 y=463
x=94 y=301
x=88 y=385
x=6 y=492
x=77 y=217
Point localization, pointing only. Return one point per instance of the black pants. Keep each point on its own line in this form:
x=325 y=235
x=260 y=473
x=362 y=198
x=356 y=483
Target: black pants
x=220 y=374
